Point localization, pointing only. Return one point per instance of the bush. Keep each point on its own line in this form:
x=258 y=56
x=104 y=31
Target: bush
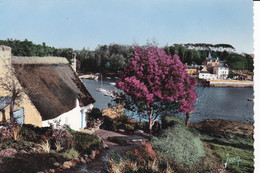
x=170 y=121
x=95 y=113
x=179 y=144
x=116 y=123
x=85 y=143
x=19 y=145
x=34 y=134
x=70 y=154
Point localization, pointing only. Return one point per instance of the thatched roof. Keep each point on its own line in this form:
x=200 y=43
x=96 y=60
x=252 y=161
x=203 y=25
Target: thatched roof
x=52 y=86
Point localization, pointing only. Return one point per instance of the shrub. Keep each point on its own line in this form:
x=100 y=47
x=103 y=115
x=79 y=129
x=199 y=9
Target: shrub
x=170 y=121
x=34 y=134
x=85 y=143
x=95 y=113
x=145 y=152
x=19 y=145
x=71 y=153
x=114 y=124
x=144 y=126
x=179 y=144
x=117 y=140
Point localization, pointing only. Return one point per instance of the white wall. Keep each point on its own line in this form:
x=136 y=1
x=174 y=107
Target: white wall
x=207 y=76
x=72 y=118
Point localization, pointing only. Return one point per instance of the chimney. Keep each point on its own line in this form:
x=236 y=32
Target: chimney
x=5 y=59
x=74 y=62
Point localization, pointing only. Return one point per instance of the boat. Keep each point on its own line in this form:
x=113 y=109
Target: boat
x=89 y=76
x=112 y=83
x=250 y=99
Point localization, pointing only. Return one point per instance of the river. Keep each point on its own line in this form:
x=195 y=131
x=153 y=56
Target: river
x=212 y=103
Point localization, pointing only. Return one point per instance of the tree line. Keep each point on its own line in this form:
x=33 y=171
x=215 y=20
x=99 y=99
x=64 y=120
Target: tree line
x=114 y=57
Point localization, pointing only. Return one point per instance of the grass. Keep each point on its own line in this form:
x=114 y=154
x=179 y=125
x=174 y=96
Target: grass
x=246 y=155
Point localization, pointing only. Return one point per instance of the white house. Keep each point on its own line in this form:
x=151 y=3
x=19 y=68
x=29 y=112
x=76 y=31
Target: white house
x=221 y=70
x=52 y=90
x=204 y=74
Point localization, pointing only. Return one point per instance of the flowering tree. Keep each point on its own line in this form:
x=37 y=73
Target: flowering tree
x=154 y=78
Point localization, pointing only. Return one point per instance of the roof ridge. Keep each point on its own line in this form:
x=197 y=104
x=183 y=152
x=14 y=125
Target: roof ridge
x=39 y=60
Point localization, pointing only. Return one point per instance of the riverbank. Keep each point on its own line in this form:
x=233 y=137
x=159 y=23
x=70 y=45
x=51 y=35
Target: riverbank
x=216 y=125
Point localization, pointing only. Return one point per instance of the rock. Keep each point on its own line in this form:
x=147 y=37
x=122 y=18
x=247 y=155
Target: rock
x=52 y=170
x=97 y=152
x=67 y=164
x=76 y=159
x=59 y=170
x=82 y=160
x=73 y=162
x=62 y=167
x=23 y=152
x=88 y=160
x=46 y=171
x=93 y=155
x=105 y=146
x=56 y=164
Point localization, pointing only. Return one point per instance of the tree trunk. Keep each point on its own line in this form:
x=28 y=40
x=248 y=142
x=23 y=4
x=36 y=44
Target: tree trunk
x=150 y=115
x=4 y=117
x=188 y=115
x=12 y=111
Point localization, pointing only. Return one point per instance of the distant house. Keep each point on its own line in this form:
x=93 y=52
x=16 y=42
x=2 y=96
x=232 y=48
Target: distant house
x=191 y=70
x=52 y=90
x=205 y=74
x=221 y=70
x=210 y=62
x=217 y=69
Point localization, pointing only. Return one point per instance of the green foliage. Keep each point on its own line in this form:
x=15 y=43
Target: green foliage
x=32 y=133
x=70 y=154
x=179 y=144
x=231 y=74
x=85 y=143
x=118 y=140
x=115 y=124
x=170 y=121
x=105 y=58
x=94 y=114
x=229 y=139
x=247 y=158
x=19 y=145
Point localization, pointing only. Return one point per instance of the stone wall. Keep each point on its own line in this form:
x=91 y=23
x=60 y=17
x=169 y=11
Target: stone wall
x=231 y=84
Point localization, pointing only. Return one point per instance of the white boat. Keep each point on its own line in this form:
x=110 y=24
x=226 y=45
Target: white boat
x=106 y=92
x=112 y=83
x=108 y=77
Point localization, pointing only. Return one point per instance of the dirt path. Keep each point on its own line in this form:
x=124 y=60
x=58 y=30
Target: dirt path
x=98 y=165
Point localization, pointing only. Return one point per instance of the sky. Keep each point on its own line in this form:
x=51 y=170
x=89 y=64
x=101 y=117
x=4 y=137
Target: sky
x=89 y=23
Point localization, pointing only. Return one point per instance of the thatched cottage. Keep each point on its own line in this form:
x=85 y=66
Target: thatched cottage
x=51 y=90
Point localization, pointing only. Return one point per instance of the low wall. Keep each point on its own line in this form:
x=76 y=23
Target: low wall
x=231 y=84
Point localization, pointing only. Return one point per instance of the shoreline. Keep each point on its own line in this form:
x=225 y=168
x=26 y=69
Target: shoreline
x=218 y=125
x=235 y=84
